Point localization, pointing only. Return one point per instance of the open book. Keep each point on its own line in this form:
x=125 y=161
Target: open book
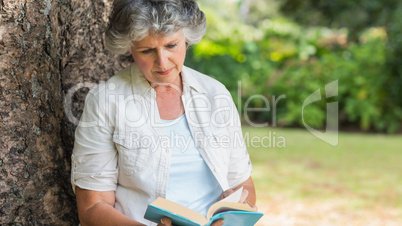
x=228 y=209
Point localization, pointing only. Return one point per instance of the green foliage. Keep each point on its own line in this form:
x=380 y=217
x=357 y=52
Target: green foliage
x=358 y=16
x=394 y=56
x=363 y=98
x=355 y=15
x=276 y=57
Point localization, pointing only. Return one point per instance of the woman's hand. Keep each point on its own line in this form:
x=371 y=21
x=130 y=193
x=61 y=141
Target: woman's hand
x=165 y=221
x=247 y=195
x=218 y=222
x=243 y=196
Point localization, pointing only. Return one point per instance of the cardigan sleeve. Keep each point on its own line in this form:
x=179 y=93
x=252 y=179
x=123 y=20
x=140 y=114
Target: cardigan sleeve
x=94 y=158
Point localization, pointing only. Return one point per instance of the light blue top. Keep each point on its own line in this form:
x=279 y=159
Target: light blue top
x=191 y=182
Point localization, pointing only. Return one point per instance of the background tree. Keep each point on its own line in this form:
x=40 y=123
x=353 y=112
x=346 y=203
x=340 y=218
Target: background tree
x=46 y=47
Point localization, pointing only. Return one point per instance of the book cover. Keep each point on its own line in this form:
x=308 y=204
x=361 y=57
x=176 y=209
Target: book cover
x=232 y=213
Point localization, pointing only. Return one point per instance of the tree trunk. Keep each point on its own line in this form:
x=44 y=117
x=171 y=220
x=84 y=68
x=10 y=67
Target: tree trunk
x=47 y=47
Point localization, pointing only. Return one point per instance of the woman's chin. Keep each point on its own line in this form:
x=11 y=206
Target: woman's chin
x=168 y=78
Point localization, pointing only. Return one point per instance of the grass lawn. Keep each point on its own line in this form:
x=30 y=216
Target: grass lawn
x=301 y=180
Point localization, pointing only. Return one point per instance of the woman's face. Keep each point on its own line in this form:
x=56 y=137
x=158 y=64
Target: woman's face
x=160 y=58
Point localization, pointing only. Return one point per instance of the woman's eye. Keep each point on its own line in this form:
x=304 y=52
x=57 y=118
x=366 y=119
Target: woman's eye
x=172 y=46
x=146 y=51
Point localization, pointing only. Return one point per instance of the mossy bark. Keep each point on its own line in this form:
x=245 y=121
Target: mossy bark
x=46 y=47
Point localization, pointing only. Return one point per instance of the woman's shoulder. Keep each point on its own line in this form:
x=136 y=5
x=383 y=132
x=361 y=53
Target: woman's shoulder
x=205 y=82
x=114 y=85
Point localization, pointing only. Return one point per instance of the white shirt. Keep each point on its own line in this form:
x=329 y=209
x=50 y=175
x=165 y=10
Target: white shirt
x=117 y=146
x=191 y=182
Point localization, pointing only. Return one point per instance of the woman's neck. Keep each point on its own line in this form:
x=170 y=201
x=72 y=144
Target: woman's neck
x=168 y=99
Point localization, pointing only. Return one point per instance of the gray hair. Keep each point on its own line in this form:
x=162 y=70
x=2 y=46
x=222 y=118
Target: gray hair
x=133 y=20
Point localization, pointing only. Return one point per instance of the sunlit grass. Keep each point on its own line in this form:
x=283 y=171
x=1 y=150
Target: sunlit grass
x=361 y=174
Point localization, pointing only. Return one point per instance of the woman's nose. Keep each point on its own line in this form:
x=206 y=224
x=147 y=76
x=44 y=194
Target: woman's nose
x=161 y=59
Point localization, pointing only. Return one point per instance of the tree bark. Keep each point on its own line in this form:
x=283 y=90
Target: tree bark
x=47 y=47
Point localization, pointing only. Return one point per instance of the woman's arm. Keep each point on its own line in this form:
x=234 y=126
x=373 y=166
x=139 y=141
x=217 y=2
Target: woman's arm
x=96 y=208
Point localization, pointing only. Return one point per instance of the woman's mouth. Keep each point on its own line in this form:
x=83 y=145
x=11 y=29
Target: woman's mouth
x=165 y=72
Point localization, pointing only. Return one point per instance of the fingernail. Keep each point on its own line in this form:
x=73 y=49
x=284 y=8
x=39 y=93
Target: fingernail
x=222 y=222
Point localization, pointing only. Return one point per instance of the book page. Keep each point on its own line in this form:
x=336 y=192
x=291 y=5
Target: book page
x=220 y=207
x=228 y=203
x=180 y=210
x=234 y=197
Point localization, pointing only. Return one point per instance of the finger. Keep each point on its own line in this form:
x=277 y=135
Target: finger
x=219 y=222
x=165 y=221
x=227 y=193
x=243 y=196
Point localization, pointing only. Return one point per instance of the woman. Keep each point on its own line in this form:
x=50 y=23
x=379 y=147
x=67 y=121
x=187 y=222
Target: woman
x=157 y=128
